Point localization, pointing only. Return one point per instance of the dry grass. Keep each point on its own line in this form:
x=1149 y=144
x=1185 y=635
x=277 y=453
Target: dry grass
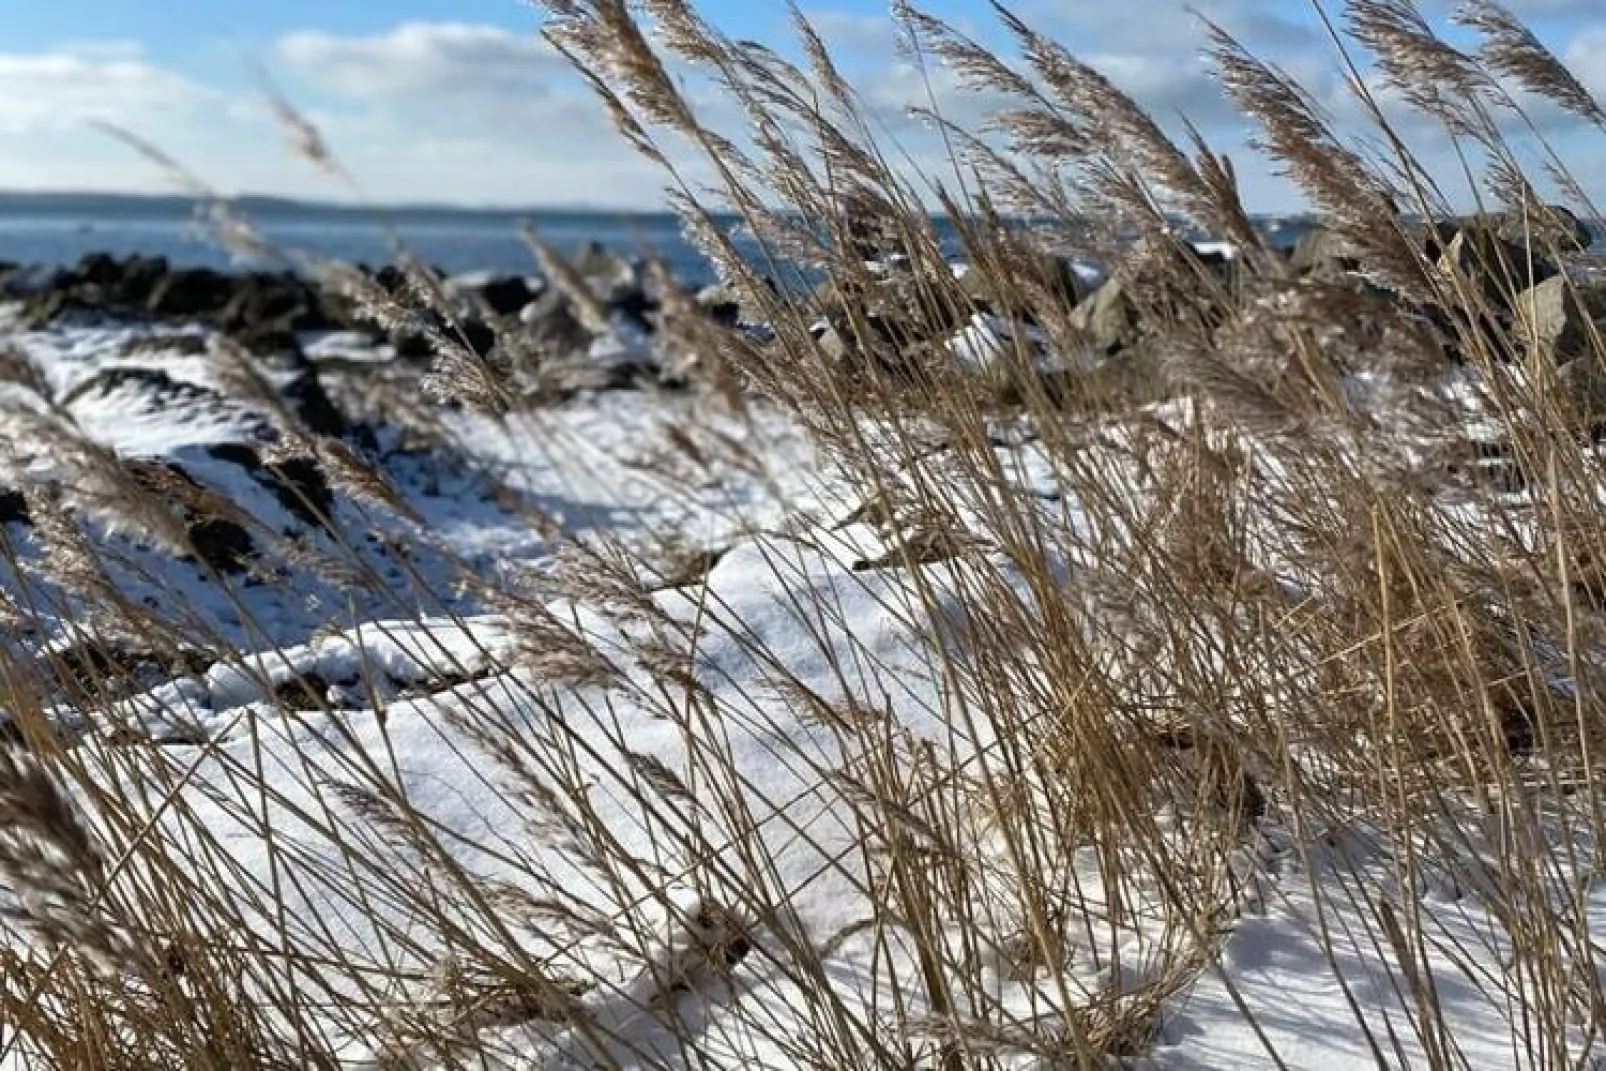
x=1274 y=621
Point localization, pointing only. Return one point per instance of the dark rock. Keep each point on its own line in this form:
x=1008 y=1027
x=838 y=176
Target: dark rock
x=242 y=454
x=99 y=269
x=448 y=681
x=312 y=405
x=221 y=543
x=306 y=691
x=161 y=391
x=14 y=507
x=412 y=346
x=720 y=303
x=140 y=277
x=301 y=487
x=275 y=348
x=1437 y=236
x=506 y=295
x=1218 y=261
x=635 y=306
x=91 y=670
x=297 y=482
x=479 y=335
x=191 y=293
x=391 y=279
x=98 y=284
x=551 y=325
x=1549 y=225
x=267 y=301
x=183 y=345
x=216 y=541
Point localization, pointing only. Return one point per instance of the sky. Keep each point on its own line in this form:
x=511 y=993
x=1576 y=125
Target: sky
x=461 y=101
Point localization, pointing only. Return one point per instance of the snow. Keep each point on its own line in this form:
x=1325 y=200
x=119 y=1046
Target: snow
x=1226 y=250
x=1301 y=998
x=417 y=687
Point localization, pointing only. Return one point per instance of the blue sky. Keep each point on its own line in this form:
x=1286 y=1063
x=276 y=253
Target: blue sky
x=458 y=100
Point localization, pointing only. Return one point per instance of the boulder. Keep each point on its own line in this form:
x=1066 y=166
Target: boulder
x=1322 y=253
x=302 y=488
x=221 y=543
x=303 y=692
x=551 y=326
x=412 y=345
x=297 y=481
x=1499 y=268
x=720 y=303
x=98 y=269
x=163 y=344
x=266 y=301
x=1055 y=274
x=191 y=293
x=280 y=350
x=277 y=348
x=886 y=345
x=1109 y=317
x=1555 y=317
x=634 y=306
x=479 y=336
x=1554 y=224
x=604 y=269
x=13 y=507
x=487 y=293
x=307 y=399
x=506 y=295
x=391 y=279
x=140 y=277
x=1582 y=384
x=617 y=282
x=1549 y=225
x=216 y=541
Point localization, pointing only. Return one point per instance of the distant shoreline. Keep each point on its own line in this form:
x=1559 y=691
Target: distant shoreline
x=164 y=203
x=269 y=206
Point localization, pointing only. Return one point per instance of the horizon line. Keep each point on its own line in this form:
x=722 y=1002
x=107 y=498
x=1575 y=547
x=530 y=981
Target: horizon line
x=336 y=205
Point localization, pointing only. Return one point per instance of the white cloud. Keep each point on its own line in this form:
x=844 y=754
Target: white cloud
x=64 y=89
x=1542 y=8
x=1171 y=26
x=1585 y=56
x=424 y=59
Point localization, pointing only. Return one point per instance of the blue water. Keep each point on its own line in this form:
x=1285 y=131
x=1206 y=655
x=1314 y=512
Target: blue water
x=59 y=229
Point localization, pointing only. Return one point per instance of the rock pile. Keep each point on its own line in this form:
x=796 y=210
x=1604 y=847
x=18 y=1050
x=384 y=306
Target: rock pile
x=1537 y=310
x=1514 y=281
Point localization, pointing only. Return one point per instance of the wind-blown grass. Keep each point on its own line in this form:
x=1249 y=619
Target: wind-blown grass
x=1056 y=678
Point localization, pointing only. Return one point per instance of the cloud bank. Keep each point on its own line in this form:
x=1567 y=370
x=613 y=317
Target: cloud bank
x=456 y=112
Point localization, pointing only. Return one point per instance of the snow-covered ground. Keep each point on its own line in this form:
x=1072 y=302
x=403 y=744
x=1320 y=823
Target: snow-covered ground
x=538 y=743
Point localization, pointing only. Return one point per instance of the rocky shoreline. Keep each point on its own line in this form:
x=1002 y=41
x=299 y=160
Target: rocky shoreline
x=347 y=374
x=265 y=310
